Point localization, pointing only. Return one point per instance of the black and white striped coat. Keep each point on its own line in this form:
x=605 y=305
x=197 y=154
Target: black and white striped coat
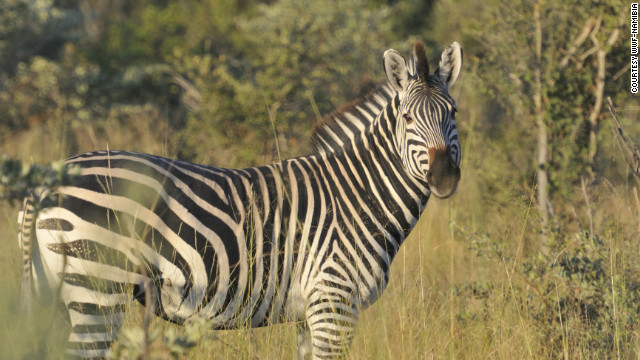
x=309 y=239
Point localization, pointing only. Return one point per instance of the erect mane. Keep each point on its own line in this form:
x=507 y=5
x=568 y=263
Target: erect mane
x=340 y=126
x=419 y=64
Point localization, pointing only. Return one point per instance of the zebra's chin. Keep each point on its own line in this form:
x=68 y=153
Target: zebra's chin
x=444 y=195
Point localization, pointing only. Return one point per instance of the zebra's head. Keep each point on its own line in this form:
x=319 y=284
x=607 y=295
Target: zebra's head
x=426 y=136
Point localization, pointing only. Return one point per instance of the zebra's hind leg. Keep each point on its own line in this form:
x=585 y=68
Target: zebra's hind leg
x=331 y=318
x=95 y=321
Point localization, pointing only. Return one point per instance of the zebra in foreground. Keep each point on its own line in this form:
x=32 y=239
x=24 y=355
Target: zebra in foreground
x=309 y=239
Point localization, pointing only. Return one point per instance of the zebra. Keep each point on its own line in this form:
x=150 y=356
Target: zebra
x=343 y=124
x=307 y=240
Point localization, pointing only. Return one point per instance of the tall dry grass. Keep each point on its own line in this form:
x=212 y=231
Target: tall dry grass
x=459 y=287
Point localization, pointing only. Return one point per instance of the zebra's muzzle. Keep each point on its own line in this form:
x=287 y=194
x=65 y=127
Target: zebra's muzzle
x=443 y=174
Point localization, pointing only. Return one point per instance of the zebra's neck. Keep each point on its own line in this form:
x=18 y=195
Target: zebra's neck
x=389 y=199
x=339 y=127
x=381 y=140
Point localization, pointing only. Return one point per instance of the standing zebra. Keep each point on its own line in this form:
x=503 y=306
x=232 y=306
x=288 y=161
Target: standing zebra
x=309 y=239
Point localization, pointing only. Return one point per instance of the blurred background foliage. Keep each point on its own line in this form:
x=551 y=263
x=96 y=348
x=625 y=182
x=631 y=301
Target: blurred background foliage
x=209 y=80
x=208 y=76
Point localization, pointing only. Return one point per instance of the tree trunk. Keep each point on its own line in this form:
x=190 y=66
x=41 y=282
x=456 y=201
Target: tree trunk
x=595 y=112
x=542 y=175
x=599 y=91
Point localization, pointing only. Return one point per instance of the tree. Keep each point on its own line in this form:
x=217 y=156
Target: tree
x=539 y=50
x=304 y=59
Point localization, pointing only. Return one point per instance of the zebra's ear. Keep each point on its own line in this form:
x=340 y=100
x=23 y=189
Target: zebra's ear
x=396 y=69
x=450 y=64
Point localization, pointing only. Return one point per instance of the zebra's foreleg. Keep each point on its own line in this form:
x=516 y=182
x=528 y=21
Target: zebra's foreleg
x=331 y=318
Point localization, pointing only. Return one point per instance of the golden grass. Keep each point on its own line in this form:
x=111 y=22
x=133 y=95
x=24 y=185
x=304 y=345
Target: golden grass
x=428 y=311
x=420 y=315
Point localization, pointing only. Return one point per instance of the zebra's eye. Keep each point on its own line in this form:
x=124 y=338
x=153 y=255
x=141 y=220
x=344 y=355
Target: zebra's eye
x=408 y=118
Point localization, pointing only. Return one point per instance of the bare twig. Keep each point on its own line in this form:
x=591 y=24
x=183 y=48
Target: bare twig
x=600 y=83
x=587 y=53
x=594 y=32
x=613 y=37
x=594 y=39
x=621 y=72
x=577 y=42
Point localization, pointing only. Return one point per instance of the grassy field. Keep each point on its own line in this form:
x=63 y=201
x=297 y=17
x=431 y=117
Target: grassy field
x=469 y=283
x=480 y=277
x=422 y=314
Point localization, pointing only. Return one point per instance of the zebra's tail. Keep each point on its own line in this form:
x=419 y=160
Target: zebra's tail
x=26 y=219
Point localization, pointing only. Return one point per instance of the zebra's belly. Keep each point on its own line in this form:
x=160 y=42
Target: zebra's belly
x=184 y=280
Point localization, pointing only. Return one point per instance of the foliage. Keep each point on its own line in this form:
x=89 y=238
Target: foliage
x=60 y=103
x=31 y=28
x=304 y=59
x=504 y=39
x=581 y=296
x=18 y=181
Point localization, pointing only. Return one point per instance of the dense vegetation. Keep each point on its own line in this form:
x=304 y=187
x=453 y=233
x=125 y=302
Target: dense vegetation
x=534 y=257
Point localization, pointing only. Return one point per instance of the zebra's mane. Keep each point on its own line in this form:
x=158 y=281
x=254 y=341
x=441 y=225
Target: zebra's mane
x=347 y=122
